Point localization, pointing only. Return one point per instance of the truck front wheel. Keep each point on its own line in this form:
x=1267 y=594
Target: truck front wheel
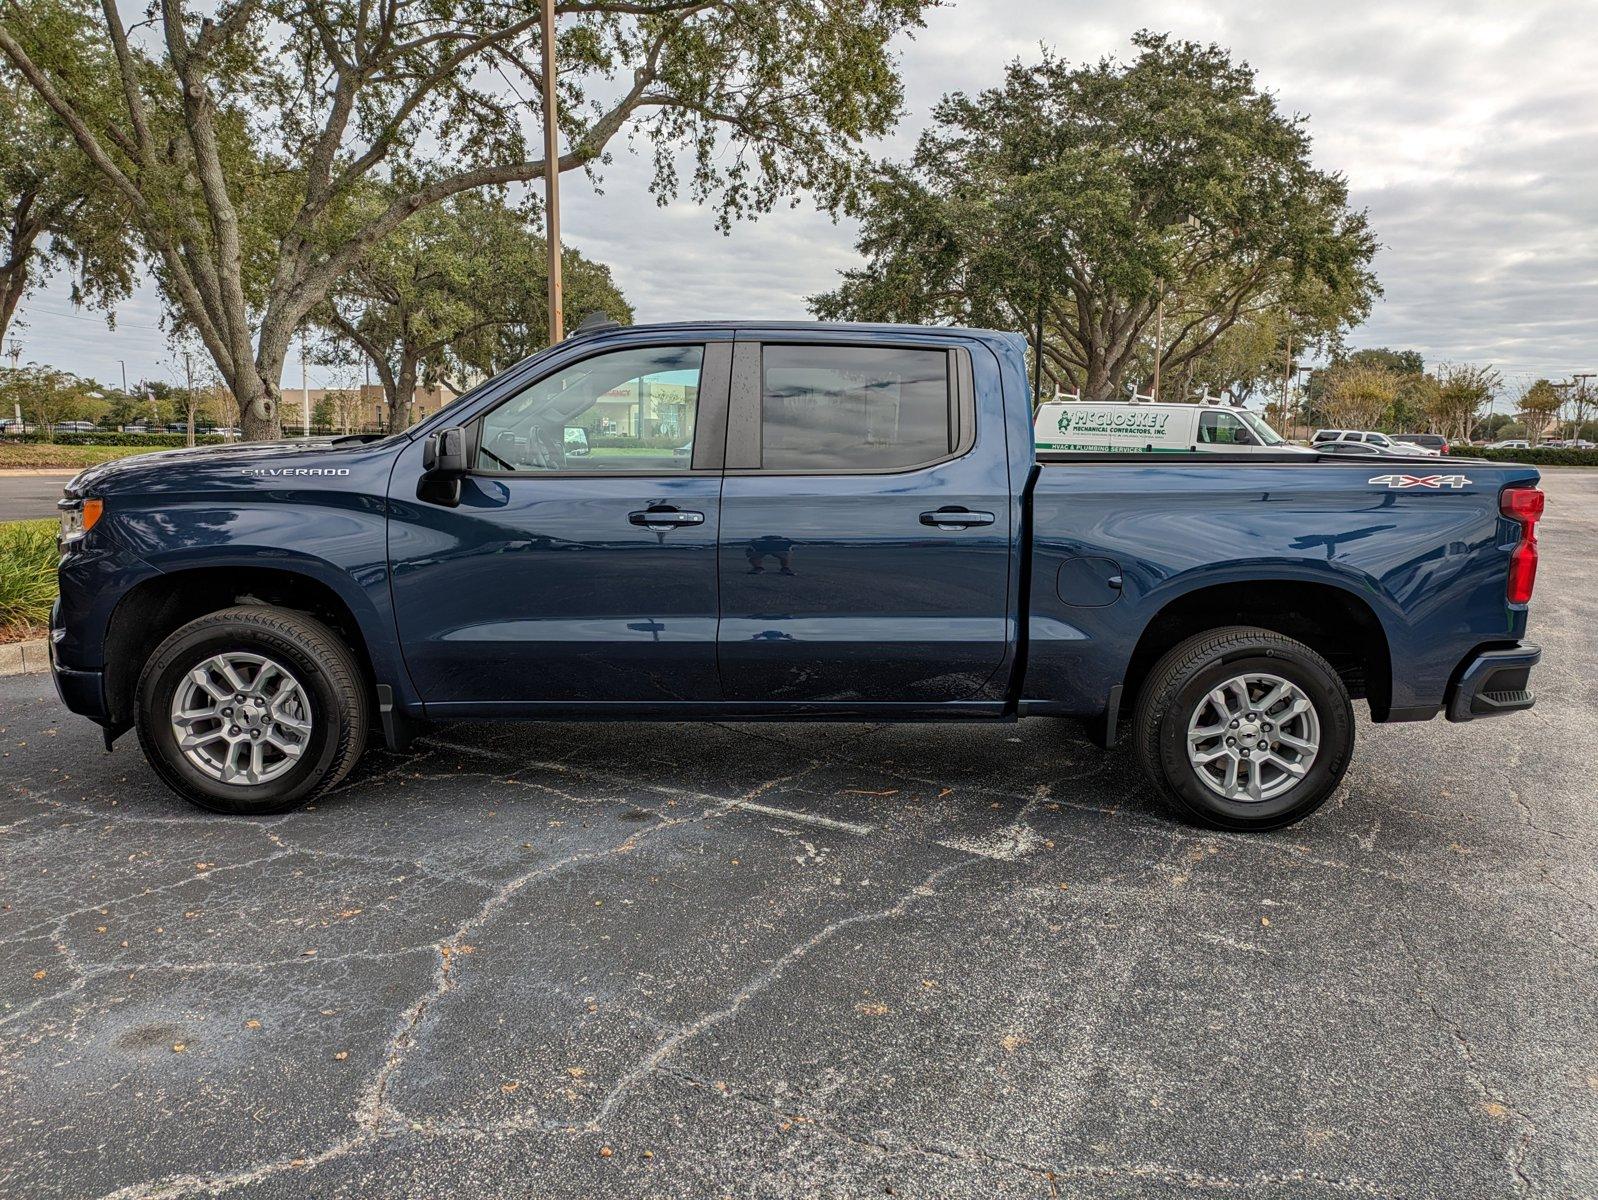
x=1244 y=729
x=252 y=710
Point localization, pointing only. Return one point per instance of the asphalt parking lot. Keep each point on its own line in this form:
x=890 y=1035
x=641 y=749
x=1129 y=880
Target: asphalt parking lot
x=777 y=960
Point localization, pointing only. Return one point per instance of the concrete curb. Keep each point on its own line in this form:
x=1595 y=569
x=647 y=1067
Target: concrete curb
x=39 y=472
x=25 y=658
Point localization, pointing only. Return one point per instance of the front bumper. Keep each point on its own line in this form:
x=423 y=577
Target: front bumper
x=1492 y=683
x=83 y=692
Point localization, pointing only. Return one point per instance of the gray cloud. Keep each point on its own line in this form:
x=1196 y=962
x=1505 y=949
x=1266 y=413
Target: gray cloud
x=1470 y=131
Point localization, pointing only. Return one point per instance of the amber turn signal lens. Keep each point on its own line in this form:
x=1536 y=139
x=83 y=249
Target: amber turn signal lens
x=91 y=513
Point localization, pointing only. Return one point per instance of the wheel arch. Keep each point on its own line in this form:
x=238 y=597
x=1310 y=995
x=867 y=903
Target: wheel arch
x=1334 y=621
x=154 y=608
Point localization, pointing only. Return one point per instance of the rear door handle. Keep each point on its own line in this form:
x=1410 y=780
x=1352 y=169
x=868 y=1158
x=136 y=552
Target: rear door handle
x=668 y=518
x=956 y=518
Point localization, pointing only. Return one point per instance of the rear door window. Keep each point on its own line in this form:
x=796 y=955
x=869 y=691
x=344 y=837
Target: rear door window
x=855 y=408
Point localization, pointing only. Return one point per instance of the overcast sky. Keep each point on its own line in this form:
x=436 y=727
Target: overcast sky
x=1468 y=129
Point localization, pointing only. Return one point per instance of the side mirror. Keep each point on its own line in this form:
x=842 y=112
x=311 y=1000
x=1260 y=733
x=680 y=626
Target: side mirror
x=444 y=455
x=443 y=467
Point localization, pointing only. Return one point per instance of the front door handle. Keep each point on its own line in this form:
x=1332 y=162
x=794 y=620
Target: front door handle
x=956 y=518
x=667 y=518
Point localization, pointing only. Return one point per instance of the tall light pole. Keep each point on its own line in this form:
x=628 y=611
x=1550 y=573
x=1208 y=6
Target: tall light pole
x=188 y=392
x=551 y=175
x=15 y=351
x=1159 y=337
x=305 y=394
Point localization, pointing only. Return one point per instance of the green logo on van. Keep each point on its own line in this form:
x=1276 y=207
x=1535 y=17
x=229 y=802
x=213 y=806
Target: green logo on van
x=1065 y=420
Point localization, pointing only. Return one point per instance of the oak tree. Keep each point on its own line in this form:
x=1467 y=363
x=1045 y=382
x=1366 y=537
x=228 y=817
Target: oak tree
x=241 y=135
x=56 y=214
x=1098 y=201
x=458 y=291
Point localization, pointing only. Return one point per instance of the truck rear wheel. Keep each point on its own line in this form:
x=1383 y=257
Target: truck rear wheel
x=252 y=710
x=1244 y=729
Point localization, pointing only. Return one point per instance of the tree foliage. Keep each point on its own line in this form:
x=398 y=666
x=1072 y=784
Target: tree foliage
x=1463 y=391
x=1538 y=405
x=243 y=138
x=47 y=396
x=55 y=212
x=1359 y=395
x=459 y=290
x=1091 y=194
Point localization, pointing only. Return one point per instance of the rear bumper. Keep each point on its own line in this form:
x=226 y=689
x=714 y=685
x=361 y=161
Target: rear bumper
x=1493 y=683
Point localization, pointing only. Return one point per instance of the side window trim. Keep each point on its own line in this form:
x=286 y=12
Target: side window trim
x=710 y=419
x=744 y=406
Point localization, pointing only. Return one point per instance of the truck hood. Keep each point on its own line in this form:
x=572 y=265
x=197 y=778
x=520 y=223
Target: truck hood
x=234 y=458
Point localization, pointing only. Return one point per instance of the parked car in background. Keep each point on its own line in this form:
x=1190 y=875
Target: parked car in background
x=74 y=427
x=1354 y=448
x=1370 y=437
x=1426 y=441
x=862 y=530
x=1510 y=444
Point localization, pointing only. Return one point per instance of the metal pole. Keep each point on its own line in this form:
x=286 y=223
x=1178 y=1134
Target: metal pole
x=305 y=394
x=1037 y=358
x=188 y=395
x=1287 y=376
x=16 y=405
x=1159 y=340
x=551 y=176
x=124 y=367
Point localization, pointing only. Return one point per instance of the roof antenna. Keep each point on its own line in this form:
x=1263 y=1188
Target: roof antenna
x=595 y=322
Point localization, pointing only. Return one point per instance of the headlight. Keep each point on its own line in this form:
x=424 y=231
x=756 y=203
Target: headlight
x=77 y=518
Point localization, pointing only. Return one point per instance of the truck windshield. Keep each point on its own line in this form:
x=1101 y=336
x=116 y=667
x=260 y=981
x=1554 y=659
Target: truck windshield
x=1266 y=435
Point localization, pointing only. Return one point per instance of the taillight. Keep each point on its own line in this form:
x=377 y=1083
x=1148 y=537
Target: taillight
x=1524 y=506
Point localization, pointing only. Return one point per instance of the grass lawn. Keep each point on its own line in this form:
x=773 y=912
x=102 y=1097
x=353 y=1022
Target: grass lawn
x=27 y=578
x=46 y=455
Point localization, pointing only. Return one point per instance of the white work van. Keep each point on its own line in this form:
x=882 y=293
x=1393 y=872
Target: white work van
x=1131 y=428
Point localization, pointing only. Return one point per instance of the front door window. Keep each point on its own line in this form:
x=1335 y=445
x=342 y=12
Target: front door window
x=629 y=411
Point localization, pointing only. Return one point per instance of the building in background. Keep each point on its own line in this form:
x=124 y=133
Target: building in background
x=357 y=409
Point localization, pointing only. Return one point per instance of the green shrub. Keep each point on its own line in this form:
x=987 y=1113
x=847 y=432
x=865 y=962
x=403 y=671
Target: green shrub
x=602 y=441
x=43 y=456
x=150 y=441
x=27 y=572
x=1539 y=456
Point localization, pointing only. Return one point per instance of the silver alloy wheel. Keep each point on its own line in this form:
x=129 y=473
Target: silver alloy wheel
x=1253 y=737
x=241 y=718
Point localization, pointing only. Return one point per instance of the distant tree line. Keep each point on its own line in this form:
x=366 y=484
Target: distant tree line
x=1392 y=390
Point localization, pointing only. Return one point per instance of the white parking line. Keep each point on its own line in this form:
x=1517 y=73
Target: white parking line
x=788 y=814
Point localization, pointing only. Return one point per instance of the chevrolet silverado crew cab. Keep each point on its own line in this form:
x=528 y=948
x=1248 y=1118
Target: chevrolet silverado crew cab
x=788 y=522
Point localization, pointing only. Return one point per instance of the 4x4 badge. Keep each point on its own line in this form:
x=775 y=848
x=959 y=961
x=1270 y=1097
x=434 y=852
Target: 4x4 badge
x=1419 y=481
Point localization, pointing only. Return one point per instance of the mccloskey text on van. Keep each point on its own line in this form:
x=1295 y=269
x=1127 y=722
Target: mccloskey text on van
x=789 y=522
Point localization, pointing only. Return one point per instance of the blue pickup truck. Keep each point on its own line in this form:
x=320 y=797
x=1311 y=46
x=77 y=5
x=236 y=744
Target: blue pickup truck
x=784 y=521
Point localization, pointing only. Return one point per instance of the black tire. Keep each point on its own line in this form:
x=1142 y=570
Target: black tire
x=1177 y=686
x=329 y=673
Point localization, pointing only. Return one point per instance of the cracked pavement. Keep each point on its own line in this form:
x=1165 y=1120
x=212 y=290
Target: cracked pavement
x=583 y=960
